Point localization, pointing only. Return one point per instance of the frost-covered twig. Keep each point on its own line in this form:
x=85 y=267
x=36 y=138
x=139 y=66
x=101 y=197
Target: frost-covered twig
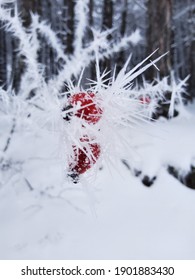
x=33 y=78
x=29 y=184
x=81 y=9
x=10 y=135
x=45 y=30
x=176 y=88
x=74 y=66
x=133 y=39
x=28 y=46
x=13 y=24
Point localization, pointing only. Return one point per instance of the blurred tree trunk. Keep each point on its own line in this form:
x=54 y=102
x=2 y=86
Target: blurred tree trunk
x=107 y=14
x=6 y=53
x=107 y=23
x=91 y=23
x=159 y=35
x=69 y=6
x=3 y=66
x=91 y=8
x=192 y=69
x=192 y=54
x=121 y=55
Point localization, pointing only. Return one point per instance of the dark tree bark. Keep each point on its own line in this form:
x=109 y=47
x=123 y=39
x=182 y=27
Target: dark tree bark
x=69 y=6
x=91 y=7
x=121 y=55
x=192 y=56
x=159 y=34
x=26 y=7
x=3 y=66
x=91 y=22
x=6 y=53
x=107 y=14
x=107 y=23
x=192 y=69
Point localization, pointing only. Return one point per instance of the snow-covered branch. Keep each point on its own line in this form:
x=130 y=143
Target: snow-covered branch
x=81 y=11
x=45 y=30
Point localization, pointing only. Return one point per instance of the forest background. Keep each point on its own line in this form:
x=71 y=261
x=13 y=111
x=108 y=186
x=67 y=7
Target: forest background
x=167 y=25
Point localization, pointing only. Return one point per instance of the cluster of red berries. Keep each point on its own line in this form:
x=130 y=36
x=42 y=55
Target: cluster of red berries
x=89 y=111
x=85 y=107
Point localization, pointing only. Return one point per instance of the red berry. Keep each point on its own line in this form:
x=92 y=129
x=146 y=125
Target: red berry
x=145 y=99
x=84 y=161
x=89 y=109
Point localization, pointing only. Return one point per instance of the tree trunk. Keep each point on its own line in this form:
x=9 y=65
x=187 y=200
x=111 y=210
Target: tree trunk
x=159 y=35
x=121 y=55
x=6 y=52
x=70 y=5
x=91 y=23
x=3 y=66
x=192 y=55
x=107 y=22
x=192 y=70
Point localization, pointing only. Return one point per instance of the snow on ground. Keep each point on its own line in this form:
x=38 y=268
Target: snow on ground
x=110 y=216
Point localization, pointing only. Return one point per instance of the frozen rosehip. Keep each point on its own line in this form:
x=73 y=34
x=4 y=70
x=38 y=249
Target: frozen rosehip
x=88 y=109
x=83 y=105
x=83 y=159
x=145 y=99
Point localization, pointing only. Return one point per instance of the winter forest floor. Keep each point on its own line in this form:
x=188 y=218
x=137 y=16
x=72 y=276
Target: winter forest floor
x=109 y=215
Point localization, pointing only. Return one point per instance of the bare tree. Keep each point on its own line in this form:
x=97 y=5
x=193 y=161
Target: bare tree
x=69 y=6
x=192 y=51
x=159 y=34
x=3 y=70
x=107 y=23
x=122 y=31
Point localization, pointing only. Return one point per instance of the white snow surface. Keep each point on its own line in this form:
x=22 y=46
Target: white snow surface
x=109 y=214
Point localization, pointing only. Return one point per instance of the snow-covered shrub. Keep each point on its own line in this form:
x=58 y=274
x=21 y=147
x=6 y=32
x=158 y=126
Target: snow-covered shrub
x=34 y=120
